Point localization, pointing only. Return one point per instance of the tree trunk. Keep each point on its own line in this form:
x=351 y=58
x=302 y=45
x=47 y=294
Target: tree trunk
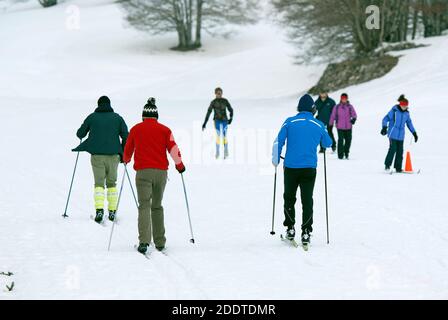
x=415 y=23
x=198 y=40
x=48 y=3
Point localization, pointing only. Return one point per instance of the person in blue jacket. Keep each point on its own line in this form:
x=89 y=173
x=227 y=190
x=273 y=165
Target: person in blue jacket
x=394 y=127
x=303 y=135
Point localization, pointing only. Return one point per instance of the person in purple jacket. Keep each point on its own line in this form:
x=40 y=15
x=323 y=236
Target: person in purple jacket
x=345 y=116
x=394 y=127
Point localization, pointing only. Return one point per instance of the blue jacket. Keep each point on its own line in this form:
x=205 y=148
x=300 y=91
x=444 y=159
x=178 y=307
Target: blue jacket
x=303 y=134
x=396 y=119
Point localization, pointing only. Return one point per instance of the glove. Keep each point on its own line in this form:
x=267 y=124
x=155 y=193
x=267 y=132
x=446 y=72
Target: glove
x=384 y=131
x=180 y=167
x=121 y=158
x=330 y=128
x=204 y=126
x=415 y=137
x=353 y=121
x=230 y=121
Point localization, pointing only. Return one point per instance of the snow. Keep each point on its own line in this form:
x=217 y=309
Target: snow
x=388 y=233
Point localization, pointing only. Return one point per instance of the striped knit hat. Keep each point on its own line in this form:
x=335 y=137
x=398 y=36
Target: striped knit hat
x=150 y=109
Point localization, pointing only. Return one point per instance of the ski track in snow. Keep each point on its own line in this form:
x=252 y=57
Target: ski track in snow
x=387 y=232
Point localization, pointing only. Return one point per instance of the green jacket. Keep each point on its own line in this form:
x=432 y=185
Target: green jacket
x=220 y=107
x=105 y=127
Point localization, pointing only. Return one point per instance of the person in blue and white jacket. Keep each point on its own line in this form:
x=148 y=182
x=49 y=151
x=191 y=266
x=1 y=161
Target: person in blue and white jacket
x=394 y=127
x=303 y=135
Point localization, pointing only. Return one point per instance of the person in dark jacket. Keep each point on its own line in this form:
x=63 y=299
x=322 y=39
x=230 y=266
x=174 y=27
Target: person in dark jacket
x=105 y=128
x=324 y=106
x=345 y=116
x=149 y=142
x=220 y=106
x=303 y=134
x=394 y=127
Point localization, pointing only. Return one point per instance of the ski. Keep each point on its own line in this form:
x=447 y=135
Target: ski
x=146 y=255
x=291 y=242
x=103 y=223
x=164 y=252
x=392 y=172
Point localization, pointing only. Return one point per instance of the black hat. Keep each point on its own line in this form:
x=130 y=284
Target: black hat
x=104 y=102
x=401 y=98
x=306 y=103
x=150 y=109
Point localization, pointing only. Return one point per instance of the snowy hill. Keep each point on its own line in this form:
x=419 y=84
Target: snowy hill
x=388 y=233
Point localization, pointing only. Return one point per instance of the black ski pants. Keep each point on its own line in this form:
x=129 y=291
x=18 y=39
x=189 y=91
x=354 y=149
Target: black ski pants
x=305 y=179
x=395 y=150
x=344 y=142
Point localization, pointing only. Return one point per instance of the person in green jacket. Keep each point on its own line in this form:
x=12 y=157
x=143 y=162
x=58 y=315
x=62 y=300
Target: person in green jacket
x=105 y=128
x=220 y=106
x=324 y=106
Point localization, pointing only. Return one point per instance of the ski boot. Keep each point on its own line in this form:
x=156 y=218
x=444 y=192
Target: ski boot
x=290 y=233
x=161 y=249
x=226 y=154
x=99 y=215
x=306 y=239
x=112 y=215
x=143 y=248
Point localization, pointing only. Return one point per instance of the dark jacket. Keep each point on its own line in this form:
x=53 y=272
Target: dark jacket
x=324 y=109
x=219 y=106
x=105 y=127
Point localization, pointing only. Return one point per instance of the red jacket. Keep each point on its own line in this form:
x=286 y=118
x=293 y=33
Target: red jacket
x=150 y=141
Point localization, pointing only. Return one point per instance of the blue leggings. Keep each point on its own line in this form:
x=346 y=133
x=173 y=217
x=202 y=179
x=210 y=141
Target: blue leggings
x=221 y=134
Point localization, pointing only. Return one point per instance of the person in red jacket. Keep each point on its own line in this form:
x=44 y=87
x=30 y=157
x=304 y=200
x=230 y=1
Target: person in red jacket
x=149 y=142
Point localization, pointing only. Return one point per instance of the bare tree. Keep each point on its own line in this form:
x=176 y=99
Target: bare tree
x=336 y=29
x=188 y=17
x=434 y=16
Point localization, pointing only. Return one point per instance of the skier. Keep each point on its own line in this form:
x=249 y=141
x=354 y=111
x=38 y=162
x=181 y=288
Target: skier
x=150 y=141
x=344 y=115
x=394 y=127
x=304 y=134
x=324 y=105
x=220 y=106
x=105 y=127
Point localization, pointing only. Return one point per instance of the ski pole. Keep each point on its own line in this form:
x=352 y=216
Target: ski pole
x=132 y=188
x=71 y=185
x=118 y=204
x=273 y=205
x=326 y=195
x=188 y=209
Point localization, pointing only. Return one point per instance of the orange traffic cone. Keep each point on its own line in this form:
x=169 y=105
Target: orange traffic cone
x=408 y=166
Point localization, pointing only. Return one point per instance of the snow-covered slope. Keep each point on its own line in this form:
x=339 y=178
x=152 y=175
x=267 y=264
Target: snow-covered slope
x=388 y=233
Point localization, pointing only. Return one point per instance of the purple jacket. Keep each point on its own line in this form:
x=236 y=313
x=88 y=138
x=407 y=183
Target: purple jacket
x=343 y=113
